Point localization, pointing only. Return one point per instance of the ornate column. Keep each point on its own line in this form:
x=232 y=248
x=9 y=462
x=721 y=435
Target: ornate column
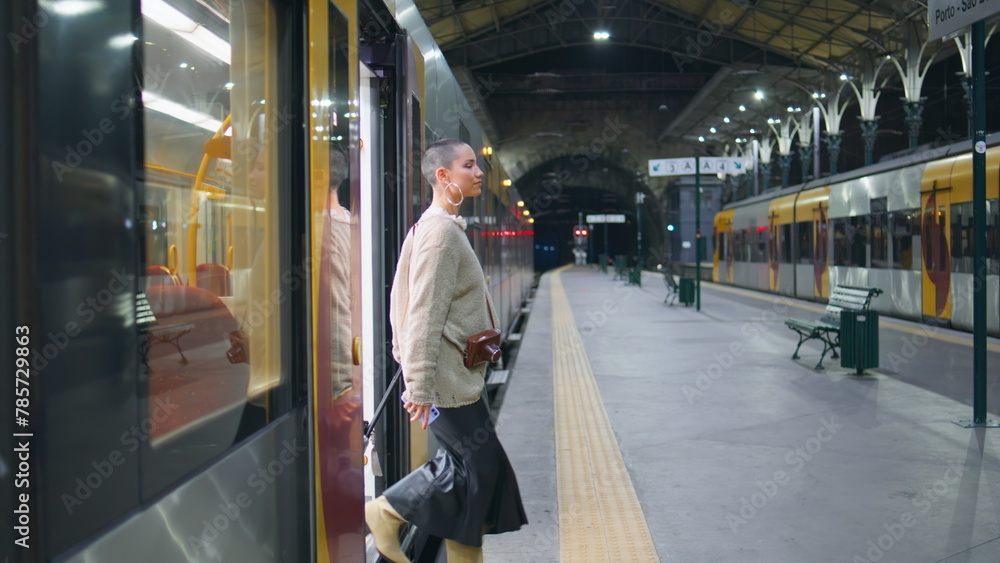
x=869 y=128
x=868 y=97
x=765 y=176
x=785 y=161
x=914 y=119
x=833 y=141
x=806 y=160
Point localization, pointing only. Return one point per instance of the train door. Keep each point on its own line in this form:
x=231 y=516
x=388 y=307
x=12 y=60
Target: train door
x=821 y=270
x=335 y=224
x=936 y=267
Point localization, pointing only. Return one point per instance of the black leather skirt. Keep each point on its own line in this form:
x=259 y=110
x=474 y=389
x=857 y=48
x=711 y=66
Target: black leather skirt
x=469 y=488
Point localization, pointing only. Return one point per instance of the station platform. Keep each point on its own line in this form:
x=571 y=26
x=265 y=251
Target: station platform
x=642 y=431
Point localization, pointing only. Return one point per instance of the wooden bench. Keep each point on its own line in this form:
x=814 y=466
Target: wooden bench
x=673 y=290
x=827 y=328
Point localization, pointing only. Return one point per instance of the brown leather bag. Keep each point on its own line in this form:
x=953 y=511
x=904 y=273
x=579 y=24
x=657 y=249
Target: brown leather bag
x=484 y=346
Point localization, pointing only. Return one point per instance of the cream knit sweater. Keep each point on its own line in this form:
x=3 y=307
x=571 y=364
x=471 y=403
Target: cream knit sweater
x=438 y=301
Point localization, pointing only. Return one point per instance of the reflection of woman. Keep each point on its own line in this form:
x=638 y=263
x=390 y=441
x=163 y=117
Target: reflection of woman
x=439 y=299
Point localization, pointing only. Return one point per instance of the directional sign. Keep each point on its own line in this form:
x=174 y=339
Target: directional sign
x=948 y=16
x=605 y=218
x=708 y=165
x=671 y=166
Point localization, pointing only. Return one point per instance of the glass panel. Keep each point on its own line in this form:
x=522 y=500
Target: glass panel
x=880 y=233
x=993 y=236
x=841 y=243
x=905 y=239
x=786 y=244
x=962 y=240
x=805 y=233
x=211 y=220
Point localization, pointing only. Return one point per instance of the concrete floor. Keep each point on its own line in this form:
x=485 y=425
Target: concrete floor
x=738 y=453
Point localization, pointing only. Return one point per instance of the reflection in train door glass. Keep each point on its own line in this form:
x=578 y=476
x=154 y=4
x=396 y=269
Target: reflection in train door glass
x=417 y=149
x=211 y=222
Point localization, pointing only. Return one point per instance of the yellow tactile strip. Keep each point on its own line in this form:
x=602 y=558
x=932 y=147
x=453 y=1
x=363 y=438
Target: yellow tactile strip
x=600 y=519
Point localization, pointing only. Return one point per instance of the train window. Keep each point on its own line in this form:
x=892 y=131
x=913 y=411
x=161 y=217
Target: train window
x=880 y=233
x=962 y=240
x=905 y=239
x=850 y=241
x=993 y=236
x=211 y=222
x=805 y=241
x=785 y=233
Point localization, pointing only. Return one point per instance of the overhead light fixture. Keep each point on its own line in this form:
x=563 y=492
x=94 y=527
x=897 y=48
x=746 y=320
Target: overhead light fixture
x=76 y=7
x=602 y=35
x=712 y=130
x=487 y=151
x=170 y=108
x=743 y=107
x=187 y=29
x=844 y=77
x=520 y=204
x=759 y=94
x=508 y=183
x=701 y=139
x=725 y=119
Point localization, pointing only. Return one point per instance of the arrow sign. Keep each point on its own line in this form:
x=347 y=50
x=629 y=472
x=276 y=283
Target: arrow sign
x=709 y=165
x=671 y=166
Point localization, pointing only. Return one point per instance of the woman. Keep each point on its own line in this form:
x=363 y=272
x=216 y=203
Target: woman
x=438 y=300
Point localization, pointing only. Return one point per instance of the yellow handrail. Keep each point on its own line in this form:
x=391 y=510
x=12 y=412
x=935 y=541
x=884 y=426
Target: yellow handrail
x=172 y=259
x=192 y=258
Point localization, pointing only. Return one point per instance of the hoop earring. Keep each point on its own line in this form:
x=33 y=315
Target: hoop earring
x=459 y=193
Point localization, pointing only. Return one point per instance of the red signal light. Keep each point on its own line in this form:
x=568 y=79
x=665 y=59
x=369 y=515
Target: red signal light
x=583 y=232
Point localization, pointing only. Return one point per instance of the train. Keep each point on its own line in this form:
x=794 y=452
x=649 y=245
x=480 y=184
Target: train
x=904 y=225
x=201 y=214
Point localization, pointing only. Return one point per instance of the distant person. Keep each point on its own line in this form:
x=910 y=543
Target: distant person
x=439 y=299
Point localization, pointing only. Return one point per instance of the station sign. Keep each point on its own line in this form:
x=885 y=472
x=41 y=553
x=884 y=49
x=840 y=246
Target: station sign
x=605 y=219
x=708 y=165
x=945 y=17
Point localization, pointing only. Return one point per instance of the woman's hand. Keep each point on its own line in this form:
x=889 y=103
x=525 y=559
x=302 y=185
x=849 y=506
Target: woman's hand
x=418 y=412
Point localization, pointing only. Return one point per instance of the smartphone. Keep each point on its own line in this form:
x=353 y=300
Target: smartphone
x=432 y=414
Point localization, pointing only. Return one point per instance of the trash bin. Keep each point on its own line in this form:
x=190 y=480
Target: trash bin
x=635 y=276
x=858 y=340
x=687 y=291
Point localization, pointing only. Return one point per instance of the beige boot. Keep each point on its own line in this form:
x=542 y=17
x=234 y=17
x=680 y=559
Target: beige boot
x=384 y=522
x=461 y=553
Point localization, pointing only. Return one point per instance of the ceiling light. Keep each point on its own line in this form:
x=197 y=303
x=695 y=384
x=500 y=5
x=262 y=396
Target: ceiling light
x=759 y=94
x=701 y=139
x=712 y=130
x=725 y=119
x=186 y=28
x=602 y=35
x=76 y=7
x=743 y=108
x=167 y=107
